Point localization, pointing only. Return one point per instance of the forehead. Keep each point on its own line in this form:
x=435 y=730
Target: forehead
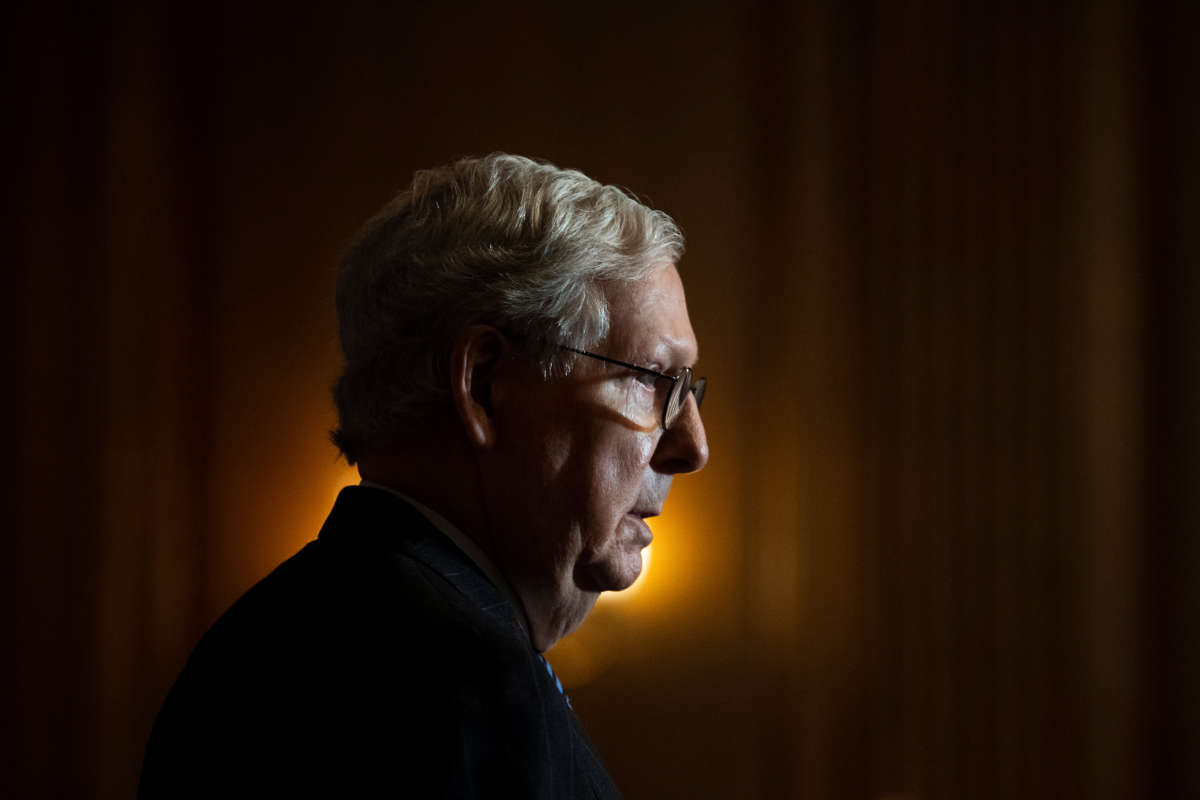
x=650 y=320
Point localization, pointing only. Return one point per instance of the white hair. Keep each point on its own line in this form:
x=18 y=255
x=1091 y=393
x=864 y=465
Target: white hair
x=500 y=240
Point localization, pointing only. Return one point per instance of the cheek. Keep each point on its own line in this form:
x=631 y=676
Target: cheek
x=636 y=404
x=619 y=480
x=641 y=406
x=646 y=444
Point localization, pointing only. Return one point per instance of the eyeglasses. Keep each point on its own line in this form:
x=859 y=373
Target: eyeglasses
x=681 y=385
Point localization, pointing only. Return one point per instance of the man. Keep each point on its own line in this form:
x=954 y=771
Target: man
x=517 y=395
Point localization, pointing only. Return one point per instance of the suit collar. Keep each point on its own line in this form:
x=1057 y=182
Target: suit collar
x=374 y=519
x=467 y=545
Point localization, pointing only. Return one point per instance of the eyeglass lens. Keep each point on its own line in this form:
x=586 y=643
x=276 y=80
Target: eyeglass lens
x=679 y=393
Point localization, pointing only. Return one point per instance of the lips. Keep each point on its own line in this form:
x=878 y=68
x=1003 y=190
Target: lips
x=644 y=536
x=647 y=509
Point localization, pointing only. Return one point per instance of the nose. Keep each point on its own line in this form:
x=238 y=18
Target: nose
x=684 y=447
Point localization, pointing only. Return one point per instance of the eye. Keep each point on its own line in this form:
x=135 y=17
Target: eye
x=645 y=379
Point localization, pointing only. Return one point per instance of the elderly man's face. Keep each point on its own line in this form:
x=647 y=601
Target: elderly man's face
x=586 y=459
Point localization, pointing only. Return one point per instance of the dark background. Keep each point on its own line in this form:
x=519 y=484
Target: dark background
x=943 y=266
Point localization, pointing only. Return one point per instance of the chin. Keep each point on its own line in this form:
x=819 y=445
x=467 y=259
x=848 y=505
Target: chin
x=612 y=574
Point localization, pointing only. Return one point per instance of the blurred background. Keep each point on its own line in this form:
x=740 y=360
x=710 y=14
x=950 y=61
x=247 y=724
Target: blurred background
x=942 y=261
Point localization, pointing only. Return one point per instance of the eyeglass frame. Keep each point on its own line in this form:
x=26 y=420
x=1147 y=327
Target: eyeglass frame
x=696 y=389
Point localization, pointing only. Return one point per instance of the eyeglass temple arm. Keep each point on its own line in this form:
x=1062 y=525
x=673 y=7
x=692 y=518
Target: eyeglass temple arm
x=619 y=363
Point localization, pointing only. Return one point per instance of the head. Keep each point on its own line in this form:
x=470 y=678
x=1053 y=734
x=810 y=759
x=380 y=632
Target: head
x=455 y=306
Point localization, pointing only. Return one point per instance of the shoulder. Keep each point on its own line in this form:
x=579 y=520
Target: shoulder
x=370 y=659
x=387 y=617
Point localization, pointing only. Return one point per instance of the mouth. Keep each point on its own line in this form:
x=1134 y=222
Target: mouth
x=646 y=511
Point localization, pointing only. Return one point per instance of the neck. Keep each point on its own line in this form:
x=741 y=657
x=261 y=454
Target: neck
x=553 y=615
x=449 y=483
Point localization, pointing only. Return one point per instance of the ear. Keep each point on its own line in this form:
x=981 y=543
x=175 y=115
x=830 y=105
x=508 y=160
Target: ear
x=474 y=363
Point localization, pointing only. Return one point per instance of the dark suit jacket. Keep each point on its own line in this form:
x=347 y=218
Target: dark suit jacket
x=378 y=660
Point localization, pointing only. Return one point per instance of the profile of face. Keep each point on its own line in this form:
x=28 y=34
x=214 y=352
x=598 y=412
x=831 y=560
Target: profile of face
x=582 y=461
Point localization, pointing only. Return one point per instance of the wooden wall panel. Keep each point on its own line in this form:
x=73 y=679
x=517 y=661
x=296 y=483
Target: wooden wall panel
x=939 y=263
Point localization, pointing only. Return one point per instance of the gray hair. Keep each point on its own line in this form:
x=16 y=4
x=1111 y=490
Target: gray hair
x=500 y=240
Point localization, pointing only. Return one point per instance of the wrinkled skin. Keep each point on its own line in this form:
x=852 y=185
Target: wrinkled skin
x=578 y=462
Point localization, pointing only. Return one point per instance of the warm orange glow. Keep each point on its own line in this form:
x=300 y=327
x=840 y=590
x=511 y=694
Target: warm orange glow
x=665 y=600
x=586 y=654
x=334 y=478
x=674 y=568
x=667 y=590
x=577 y=661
